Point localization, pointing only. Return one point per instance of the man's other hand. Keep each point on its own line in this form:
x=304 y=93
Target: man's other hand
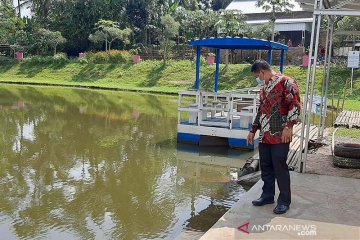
x=286 y=136
x=250 y=138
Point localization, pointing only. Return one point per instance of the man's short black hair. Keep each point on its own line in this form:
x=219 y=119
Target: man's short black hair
x=260 y=65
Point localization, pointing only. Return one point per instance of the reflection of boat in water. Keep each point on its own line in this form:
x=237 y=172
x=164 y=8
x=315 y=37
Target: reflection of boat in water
x=217 y=164
x=208 y=174
x=215 y=156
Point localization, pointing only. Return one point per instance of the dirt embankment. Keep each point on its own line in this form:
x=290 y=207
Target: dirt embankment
x=320 y=161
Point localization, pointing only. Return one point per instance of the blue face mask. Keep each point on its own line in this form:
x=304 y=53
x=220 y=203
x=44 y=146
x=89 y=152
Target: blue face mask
x=260 y=82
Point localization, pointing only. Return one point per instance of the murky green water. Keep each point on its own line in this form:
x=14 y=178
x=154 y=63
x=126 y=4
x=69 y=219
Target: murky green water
x=82 y=164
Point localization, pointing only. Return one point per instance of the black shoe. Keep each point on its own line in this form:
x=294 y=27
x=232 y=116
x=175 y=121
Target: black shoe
x=262 y=201
x=281 y=209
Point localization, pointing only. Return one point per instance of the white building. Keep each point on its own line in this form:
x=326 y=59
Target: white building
x=295 y=25
x=25 y=8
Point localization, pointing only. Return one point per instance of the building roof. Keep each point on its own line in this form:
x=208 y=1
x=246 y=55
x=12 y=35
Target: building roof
x=238 y=43
x=249 y=6
x=305 y=20
x=298 y=19
x=287 y=25
x=353 y=5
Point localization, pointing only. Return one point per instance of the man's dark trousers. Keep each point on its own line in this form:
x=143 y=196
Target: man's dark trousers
x=273 y=165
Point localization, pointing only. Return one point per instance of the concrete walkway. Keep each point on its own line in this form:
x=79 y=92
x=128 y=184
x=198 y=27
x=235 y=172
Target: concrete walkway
x=323 y=207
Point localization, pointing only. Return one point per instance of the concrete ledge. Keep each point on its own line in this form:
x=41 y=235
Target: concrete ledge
x=323 y=207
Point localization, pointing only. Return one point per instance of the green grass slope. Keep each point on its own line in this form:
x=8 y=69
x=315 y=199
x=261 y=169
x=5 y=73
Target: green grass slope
x=155 y=76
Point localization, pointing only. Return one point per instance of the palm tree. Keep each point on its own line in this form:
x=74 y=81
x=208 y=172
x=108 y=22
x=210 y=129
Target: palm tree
x=274 y=6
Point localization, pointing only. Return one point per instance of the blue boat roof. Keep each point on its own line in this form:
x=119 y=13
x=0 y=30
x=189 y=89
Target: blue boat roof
x=238 y=43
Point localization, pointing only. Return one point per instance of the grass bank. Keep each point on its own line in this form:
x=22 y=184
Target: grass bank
x=155 y=76
x=351 y=133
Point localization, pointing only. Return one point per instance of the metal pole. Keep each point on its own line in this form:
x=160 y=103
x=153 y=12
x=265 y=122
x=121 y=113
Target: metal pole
x=217 y=71
x=282 y=62
x=313 y=79
x=270 y=56
x=351 y=80
x=322 y=110
x=304 y=110
x=198 y=54
x=328 y=73
x=303 y=38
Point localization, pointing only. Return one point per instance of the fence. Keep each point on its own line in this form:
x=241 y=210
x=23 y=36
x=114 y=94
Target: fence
x=294 y=55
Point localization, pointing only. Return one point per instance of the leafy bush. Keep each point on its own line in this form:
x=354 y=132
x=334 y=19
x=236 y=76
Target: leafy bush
x=119 y=56
x=60 y=58
x=113 y=56
x=203 y=61
x=82 y=61
x=134 y=51
x=38 y=60
x=97 y=57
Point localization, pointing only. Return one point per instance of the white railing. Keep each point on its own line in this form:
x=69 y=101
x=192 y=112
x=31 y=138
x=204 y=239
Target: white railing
x=235 y=109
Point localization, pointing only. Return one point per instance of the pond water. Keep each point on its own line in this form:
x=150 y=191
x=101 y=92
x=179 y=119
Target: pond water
x=83 y=164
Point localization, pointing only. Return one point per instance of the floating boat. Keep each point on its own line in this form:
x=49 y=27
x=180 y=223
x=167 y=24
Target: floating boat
x=222 y=118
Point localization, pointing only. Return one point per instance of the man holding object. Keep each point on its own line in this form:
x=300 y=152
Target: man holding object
x=279 y=110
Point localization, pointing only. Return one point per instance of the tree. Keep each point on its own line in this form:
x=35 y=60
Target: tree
x=232 y=23
x=263 y=31
x=6 y=2
x=41 y=9
x=20 y=4
x=48 y=39
x=197 y=24
x=7 y=21
x=109 y=31
x=274 y=6
x=11 y=27
x=189 y=4
x=19 y=8
x=346 y=23
x=117 y=34
x=55 y=39
x=138 y=16
x=170 y=31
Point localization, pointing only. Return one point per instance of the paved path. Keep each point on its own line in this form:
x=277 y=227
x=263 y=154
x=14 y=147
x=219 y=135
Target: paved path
x=329 y=207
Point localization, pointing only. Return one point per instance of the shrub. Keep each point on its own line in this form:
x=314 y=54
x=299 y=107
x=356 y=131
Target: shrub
x=134 y=51
x=38 y=60
x=113 y=56
x=82 y=60
x=203 y=61
x=97 y=57
x=119 y=56
x=60 y=58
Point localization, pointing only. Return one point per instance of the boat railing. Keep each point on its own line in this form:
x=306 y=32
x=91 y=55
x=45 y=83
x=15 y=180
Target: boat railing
x=225 y=110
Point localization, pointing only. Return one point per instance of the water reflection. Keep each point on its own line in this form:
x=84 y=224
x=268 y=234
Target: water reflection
x=80 y=164
x=210 y=171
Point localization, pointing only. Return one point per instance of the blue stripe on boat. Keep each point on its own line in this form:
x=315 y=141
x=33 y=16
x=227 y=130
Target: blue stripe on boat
x=188 y=137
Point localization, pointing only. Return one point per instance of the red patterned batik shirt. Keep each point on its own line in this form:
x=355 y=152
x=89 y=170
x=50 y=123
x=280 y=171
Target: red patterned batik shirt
x=279 y=107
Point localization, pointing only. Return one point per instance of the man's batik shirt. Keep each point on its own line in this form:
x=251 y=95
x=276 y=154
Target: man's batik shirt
x=279 y=107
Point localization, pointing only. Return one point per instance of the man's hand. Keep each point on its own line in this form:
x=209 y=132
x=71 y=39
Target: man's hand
x=286 y=136
x=250 y=138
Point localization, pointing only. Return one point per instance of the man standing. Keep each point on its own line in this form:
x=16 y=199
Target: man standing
x=279 y=110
